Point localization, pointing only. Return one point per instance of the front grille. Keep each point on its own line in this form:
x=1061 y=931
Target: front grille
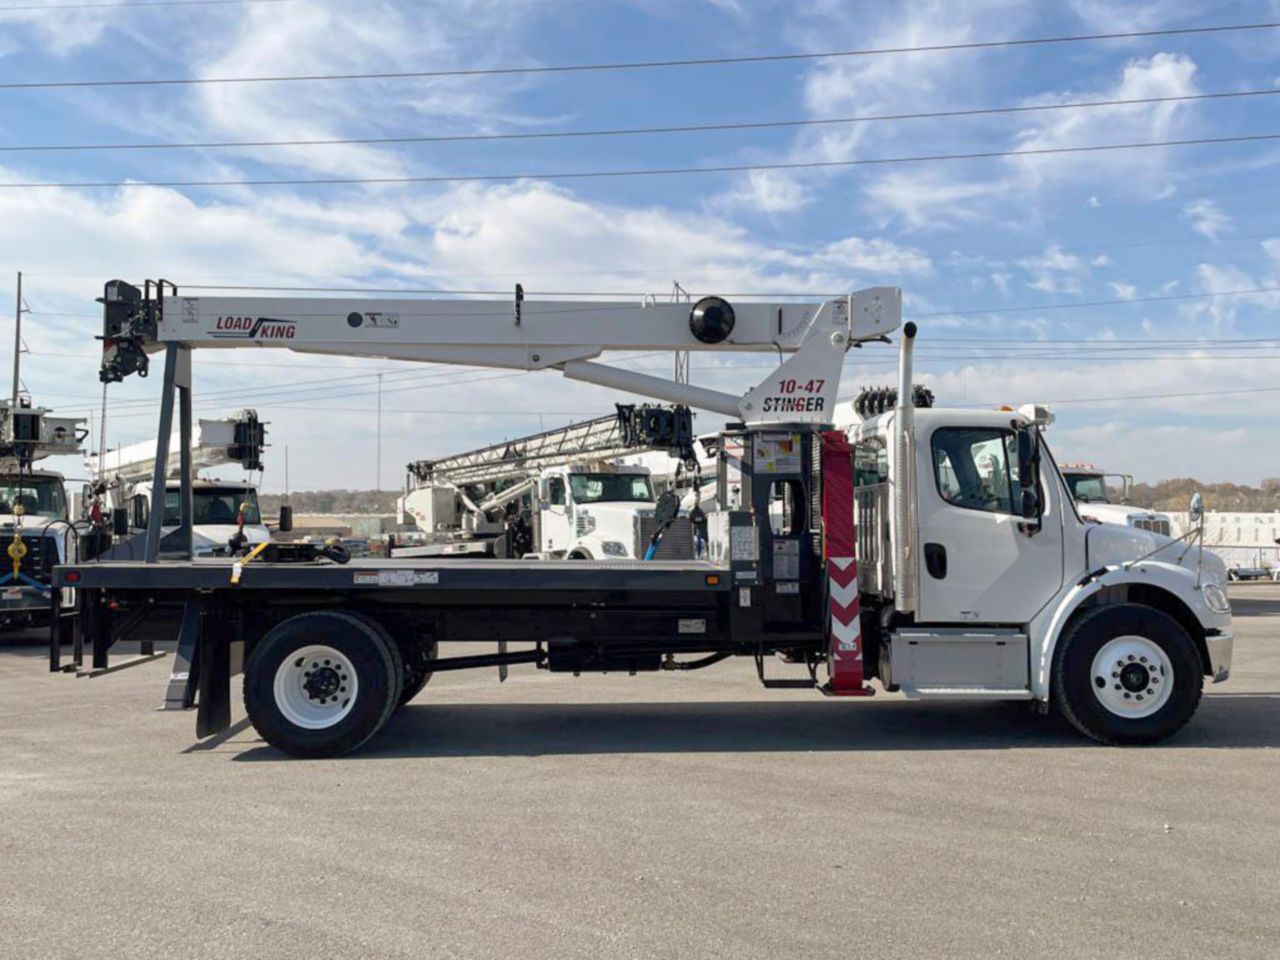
x=677 y=542
x=1155 y=526
x=41 y=558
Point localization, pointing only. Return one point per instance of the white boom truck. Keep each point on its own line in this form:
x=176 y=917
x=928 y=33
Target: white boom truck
x=554 y=494
x=34 y=522
x=991 y=588
x=222 y=509
x=1092 y=493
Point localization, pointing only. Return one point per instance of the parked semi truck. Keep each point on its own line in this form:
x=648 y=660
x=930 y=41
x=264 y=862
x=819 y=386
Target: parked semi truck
x=988 y=586
x=35 y=528
x=561 y=493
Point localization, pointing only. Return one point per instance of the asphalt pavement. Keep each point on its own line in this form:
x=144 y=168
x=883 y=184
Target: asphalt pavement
x=672 y=815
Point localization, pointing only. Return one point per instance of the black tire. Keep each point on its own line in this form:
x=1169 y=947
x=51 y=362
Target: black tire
x=1074 y=685
x=372 y=656
x=417 y=668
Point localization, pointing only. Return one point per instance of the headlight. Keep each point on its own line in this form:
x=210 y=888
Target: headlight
x=613 y=548
x=1216 y=598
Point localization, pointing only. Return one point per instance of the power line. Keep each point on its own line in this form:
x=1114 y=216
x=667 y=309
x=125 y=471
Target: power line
x=1098 y=303
x=1157 y=396
x=637 y=131
x=647 y=64
x=774 y=295
x=47 y=8
x=658 y=172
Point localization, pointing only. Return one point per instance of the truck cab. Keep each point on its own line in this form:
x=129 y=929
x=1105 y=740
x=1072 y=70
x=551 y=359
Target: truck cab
x=981 y=579
x=602 y=512
x=217 y=505
x=34 y=504
x=1096 y=499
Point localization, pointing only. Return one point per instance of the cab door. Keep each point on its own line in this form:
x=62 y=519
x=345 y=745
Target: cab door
x=556 y=518
x=980 y=560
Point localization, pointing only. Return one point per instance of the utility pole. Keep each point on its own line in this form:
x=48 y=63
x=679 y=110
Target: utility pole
x=378 y=470
x=17 y=342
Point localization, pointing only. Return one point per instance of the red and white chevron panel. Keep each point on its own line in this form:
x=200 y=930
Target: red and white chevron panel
x=845 y=674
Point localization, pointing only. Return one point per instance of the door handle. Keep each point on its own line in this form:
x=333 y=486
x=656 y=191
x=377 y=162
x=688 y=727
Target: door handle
x=935 y=560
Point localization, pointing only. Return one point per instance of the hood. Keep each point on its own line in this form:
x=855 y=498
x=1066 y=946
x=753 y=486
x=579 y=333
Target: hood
x=1116 y=513
x=33 y=525
x=1111 y=544
x=618 y=508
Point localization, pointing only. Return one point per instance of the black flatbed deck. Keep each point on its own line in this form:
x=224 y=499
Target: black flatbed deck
x=372 y=573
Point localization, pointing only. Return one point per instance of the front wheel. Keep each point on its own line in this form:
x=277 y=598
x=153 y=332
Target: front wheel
x=1127 y=674
x=321 y=684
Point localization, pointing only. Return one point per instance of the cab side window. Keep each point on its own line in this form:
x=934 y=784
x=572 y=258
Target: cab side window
x=977 y=468
x=556 y=489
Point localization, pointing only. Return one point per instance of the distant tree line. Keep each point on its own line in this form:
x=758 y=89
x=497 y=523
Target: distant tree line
x=333 y=501
x=1174 y=495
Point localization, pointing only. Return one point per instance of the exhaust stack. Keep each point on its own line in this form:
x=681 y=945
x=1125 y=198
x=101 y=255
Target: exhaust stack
x=904 y=556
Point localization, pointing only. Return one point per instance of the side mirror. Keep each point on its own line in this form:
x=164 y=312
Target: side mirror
x=1030 y=506
x=286 y=518
x=1028 y=455
x=1196 y=509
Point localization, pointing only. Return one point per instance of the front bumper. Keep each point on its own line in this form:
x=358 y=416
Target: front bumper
x=1219 y=646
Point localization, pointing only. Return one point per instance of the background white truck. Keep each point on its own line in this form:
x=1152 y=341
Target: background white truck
x=562 y=493
x=1105 y=497
x=124 y=478
x=34 y=518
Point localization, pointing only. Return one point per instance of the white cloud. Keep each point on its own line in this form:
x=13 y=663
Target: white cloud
x=1207 y=218
x=1055 y=271
x=929 y=200
x=1144 y=171
x=764 y=191
x=1123 y=291
x=1108 y=16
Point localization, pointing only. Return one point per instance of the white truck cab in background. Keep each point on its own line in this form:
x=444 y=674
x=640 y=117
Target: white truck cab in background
x=217 y=505
x=1096 y=499
x=577 y=511
x=34 y=516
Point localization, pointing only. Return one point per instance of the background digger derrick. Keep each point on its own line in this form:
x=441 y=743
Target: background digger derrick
x=988 y=588
x=220 y=509
x=555 y=494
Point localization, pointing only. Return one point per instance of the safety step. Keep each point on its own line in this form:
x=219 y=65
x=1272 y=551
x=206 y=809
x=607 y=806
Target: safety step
x=919 y=692
x=805 y=684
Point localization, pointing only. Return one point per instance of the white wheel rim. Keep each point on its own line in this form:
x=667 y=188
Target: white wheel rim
x=315 y=687
x=1132 y=677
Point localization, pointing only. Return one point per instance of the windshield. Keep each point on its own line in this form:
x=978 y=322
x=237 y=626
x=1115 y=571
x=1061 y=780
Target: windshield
x=214 y=506
x=1087 y=487
x=39 y=496
x=610 y=488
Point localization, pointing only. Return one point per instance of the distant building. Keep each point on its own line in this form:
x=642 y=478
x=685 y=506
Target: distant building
x=1241 y=539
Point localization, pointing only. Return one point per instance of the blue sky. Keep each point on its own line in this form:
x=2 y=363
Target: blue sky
x=992 y=253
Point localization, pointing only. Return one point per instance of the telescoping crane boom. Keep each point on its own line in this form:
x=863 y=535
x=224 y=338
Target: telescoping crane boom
x=237 y=439
x=630 y=429
x=969 y=575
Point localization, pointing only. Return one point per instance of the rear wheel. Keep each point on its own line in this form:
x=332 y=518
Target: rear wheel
x=1127 y=674
x=321 y=684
